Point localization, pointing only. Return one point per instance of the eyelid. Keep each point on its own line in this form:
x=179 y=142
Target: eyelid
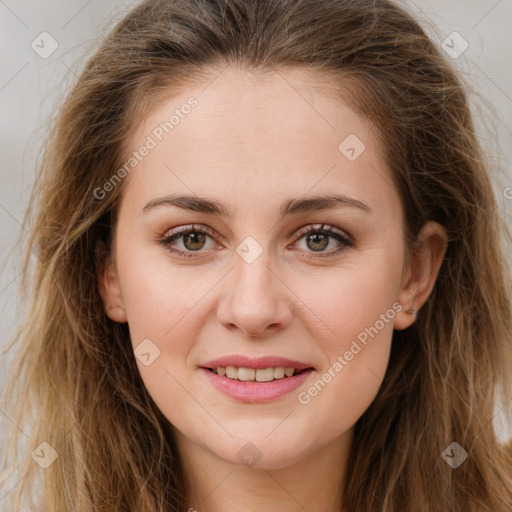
x=193 y=228
x=342 y=237
x=322 y=227
x=297 y=234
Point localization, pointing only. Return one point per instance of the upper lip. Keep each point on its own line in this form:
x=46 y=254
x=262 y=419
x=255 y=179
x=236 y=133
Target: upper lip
x=259 y=362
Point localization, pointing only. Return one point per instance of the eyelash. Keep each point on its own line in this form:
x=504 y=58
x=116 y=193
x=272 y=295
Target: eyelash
x=345 y=241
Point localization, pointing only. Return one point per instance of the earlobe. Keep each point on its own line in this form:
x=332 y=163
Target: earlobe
x=108 y=285
x=116 y=313
x=421 y=274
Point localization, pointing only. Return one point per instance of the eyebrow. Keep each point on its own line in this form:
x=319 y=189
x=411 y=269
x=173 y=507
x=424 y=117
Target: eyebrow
x=289 y=207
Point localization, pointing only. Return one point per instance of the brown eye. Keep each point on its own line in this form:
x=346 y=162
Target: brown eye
x=194 y=240
x=318 y=238
x=318 y=241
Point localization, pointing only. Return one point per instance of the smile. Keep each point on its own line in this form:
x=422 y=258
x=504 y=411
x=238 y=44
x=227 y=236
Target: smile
x=253 y=390
x=259 y=374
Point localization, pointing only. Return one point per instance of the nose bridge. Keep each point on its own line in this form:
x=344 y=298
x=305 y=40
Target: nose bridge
x=253 y=277
x=254 y=298
x=252 y=263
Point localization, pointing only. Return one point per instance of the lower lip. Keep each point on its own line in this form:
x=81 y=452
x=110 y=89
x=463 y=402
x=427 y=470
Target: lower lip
x=253 y=391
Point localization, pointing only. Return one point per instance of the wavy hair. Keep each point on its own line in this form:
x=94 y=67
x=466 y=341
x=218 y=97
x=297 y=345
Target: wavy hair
x=75 y=385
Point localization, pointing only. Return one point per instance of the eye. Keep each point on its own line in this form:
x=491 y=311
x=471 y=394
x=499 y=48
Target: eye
x=193 y=239
x=317 y=239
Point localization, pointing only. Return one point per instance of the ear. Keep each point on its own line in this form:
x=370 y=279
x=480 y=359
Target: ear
x=421 y=274
x=108 y=285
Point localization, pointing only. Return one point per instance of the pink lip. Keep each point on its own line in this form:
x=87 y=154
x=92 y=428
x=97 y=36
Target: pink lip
x=253 y=391
x=260 y=362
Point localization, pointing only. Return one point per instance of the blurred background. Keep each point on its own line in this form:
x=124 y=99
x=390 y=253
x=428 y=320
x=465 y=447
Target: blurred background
x=43 y=45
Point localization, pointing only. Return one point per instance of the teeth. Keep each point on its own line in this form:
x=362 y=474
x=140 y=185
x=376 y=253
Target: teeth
x=262 y=374
x=279 y=372
x=231 y=372
x=250 y=374
x=246 y=373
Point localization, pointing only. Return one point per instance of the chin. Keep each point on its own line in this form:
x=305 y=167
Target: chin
x=261 y=452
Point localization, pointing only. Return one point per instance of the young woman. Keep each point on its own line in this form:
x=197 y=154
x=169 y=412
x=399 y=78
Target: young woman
x=268 y=275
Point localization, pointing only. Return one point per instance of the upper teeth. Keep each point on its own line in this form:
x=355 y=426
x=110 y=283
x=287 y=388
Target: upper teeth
x=260 y=374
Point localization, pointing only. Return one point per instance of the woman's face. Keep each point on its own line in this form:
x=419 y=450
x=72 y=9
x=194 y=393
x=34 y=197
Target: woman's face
x=254 y=279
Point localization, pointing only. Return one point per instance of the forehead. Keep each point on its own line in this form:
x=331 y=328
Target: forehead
x=250 y=103
x=258 y=135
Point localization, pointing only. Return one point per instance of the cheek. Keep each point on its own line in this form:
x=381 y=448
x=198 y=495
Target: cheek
x=347 y=300
x=353 y=325
x=160 y=296
x=165 y=316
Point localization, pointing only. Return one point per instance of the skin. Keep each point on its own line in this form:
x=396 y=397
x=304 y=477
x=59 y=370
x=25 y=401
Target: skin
x=251 y=143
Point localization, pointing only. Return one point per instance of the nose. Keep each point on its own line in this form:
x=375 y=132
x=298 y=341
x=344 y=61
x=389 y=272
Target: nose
x=255 y=299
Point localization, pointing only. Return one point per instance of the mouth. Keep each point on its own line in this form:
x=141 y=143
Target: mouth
x=256 y=379
x=256 y=385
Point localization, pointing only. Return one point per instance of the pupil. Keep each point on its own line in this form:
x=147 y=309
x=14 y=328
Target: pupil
x=197 y=238
x=323 y=241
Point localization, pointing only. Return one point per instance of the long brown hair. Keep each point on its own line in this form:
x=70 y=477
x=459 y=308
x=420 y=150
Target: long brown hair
x=76 y=386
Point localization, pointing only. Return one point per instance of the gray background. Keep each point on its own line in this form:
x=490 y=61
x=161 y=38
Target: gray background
x=31 y=86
